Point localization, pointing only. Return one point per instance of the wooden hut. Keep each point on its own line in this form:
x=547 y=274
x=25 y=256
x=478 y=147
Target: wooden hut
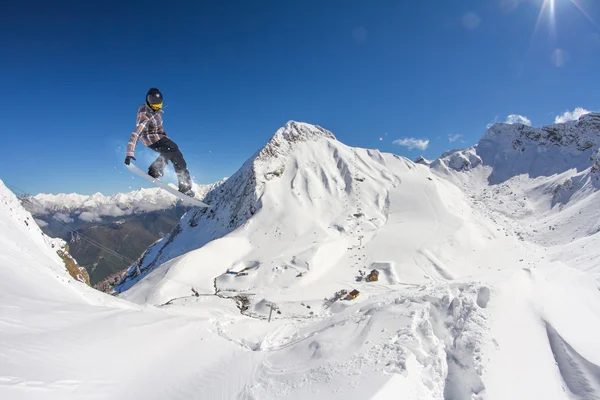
x=352 y=295
x=373 y=276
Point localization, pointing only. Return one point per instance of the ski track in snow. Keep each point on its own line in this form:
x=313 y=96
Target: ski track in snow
x=581 y=377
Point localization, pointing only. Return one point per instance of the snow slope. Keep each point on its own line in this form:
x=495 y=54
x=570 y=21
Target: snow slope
x=304 y=215
x=466 y=305
x=31 y=266
x=60 y=339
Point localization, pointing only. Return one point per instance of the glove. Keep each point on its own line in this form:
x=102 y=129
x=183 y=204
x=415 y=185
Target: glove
x=128 y=159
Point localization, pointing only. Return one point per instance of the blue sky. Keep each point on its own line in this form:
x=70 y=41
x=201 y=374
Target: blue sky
x=233 y=72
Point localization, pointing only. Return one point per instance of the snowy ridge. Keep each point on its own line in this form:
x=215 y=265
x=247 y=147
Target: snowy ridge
x=555 y=148
x=422 y=160
x=514 y=149
x=283 y=142
x=30 y=264
x=457 y=160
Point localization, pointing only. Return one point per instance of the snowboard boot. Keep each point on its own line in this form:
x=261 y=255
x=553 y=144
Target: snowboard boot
x=187 y=190
x=154 y=173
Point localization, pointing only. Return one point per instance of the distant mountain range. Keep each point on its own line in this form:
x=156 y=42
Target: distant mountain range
x=92 y=208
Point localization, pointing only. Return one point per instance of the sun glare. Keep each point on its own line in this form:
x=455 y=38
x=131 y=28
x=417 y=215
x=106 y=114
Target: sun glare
x=585 y=13
x=548 y=10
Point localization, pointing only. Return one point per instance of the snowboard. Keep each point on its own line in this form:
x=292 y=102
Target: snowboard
x=162 y=185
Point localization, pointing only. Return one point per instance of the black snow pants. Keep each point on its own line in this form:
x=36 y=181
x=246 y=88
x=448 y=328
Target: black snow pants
x=170 y=152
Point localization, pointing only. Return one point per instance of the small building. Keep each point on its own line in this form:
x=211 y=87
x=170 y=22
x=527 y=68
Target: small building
x=352 y=295
x=373 y=276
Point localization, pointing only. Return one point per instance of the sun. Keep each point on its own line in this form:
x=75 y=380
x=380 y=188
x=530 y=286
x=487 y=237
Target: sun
x=548 y=10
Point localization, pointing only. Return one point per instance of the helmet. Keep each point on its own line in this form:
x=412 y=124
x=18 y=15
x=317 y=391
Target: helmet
x=154 y=99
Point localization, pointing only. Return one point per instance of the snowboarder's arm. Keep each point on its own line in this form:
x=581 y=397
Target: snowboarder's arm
x=142 y=121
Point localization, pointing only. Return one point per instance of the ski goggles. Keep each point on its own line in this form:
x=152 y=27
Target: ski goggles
x=156 y=107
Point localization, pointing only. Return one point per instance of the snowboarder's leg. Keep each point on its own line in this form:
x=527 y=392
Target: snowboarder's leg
x=170 y=151
x=157 y=167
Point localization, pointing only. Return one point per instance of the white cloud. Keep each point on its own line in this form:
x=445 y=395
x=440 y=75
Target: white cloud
x=571 y=115
x=103 y=210
x=41 y=223
x=111 y=210
x=148 y=207
x=454 y=138
x=90 y=216
x=412 y=143
x=63 y=218
x=518 y=119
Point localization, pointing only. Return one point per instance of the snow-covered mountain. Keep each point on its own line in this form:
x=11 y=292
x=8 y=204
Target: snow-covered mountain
x=517 y=149
x=470 y=301
x=116 y=205
x=541 y=183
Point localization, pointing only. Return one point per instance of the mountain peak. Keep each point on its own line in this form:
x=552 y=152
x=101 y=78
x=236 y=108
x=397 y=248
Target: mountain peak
x=270 y=160
x=422 y=160
x=592 y=119
x=292 y=132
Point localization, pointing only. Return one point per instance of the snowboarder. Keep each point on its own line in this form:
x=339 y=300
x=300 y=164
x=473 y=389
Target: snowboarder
x=149 y=128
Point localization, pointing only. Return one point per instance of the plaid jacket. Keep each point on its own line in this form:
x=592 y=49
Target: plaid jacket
x=148 y=129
